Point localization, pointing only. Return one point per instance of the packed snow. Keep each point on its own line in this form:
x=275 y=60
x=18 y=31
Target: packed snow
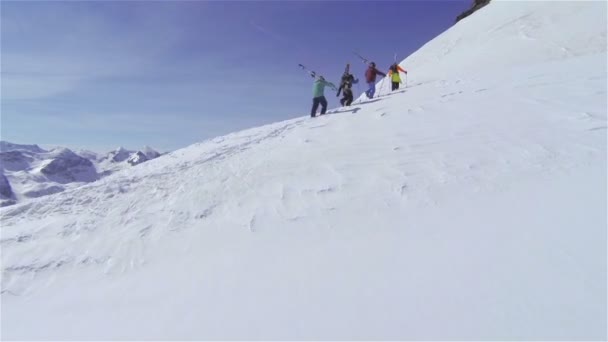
x=470 y=205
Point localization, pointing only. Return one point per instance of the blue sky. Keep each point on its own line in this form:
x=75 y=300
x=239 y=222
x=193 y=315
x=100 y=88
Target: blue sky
x=103 y=74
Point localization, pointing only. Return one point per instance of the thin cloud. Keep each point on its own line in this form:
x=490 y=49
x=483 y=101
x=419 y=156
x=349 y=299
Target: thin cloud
x=67 y=47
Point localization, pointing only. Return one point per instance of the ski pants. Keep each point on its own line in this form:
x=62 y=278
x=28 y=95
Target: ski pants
x=395 y=85
x=315 y=104
x=372 y=89
x=347 y=99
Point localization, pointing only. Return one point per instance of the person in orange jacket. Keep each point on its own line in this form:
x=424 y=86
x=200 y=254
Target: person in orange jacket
x=394 y=74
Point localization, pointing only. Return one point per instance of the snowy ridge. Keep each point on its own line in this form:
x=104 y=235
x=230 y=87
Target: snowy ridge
x=6 y=146
x=504 y=35
x=507 y=34
x=468 y=206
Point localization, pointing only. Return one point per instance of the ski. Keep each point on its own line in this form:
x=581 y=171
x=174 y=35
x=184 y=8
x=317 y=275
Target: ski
x=343 y=78
x=312 y=73
x=363 y=59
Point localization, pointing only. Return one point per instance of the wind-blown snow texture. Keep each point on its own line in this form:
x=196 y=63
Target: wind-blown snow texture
x=471 y=205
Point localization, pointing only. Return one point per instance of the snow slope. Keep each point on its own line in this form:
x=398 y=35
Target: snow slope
x=470 y=206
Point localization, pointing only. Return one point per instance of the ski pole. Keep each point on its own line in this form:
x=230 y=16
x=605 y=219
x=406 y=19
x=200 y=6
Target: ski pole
x=381 y=84
x=312 y=73
x=363 y=59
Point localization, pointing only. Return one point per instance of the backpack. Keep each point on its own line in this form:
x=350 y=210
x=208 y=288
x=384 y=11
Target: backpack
x=347 y=80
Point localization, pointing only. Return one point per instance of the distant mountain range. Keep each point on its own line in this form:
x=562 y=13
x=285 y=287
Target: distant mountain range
x=29 y=171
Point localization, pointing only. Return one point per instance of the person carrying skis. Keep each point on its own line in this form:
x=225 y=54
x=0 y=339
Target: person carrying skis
x=370 y=78
x=346 y=87
x=318 y=97
x=395 y=77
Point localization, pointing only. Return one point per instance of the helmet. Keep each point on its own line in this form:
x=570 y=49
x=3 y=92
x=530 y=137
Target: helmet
x=322 y=78
x=372 y=64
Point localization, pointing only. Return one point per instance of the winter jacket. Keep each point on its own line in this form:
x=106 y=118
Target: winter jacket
x=371 y=73
x=319 y=86
x=394 y=73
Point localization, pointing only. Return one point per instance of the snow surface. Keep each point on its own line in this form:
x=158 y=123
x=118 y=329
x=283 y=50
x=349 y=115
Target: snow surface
x=469 y=206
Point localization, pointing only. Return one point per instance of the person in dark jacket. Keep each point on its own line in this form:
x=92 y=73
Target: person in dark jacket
x=370 y=78
x=346 y=85
x=318 y=98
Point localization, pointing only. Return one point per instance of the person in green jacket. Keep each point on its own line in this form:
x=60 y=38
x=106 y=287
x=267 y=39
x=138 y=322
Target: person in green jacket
x=318 y=97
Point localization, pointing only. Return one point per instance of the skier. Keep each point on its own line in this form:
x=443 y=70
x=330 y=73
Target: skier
x=318 y=97
x=395 y=77
x=346 y=87
x=370 y=78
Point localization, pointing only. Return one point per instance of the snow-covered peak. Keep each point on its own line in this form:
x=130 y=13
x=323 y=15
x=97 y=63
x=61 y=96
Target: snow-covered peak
x=65 y=166
x=137 y=158
x=6 y=146
x=61 y=152
x=16 y=160
x=119 y=155
x=150 y=153
x=90 y=155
